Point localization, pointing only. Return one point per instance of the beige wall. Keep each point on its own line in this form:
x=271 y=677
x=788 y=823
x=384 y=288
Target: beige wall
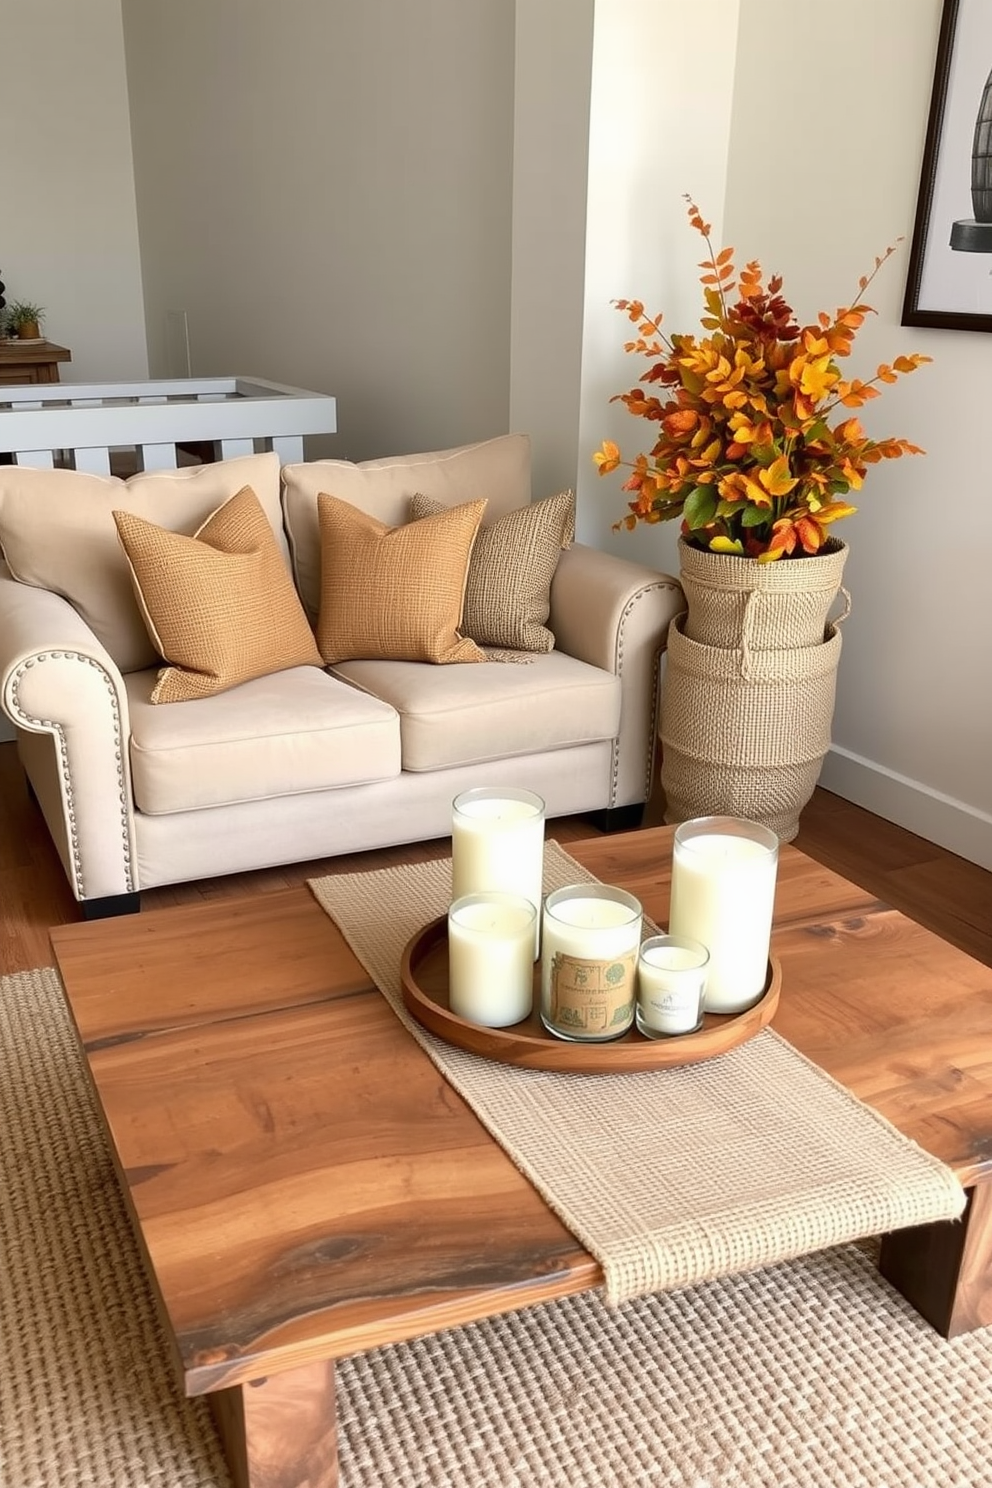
x=822 y=162
x=69 y=237
x=325 y=190
x=645 y=155
x=913 y=723
x=551 y=108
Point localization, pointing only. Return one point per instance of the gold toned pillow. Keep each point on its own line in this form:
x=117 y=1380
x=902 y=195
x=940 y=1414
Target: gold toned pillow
x=57 y=532
x=508 y=591
x=394 y=593
x=220 y=606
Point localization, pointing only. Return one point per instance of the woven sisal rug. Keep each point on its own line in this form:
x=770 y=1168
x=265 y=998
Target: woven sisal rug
x=668 y=1177
x=811 y=1374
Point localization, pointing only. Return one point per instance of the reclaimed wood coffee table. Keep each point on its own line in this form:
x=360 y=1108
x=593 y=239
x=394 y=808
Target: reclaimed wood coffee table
x=305 y=1185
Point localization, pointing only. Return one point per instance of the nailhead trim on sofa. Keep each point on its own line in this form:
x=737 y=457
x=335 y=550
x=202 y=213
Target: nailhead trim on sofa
x=51 y=726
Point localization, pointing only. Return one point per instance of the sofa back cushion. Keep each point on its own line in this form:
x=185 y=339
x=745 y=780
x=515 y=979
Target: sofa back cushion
x=496 y=471
x=219 y=606
x=57 y=532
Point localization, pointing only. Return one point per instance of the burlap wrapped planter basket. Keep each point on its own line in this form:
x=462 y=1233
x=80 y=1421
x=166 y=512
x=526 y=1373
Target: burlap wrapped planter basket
x=739 y=603
x=745 y=745
x=748 y=697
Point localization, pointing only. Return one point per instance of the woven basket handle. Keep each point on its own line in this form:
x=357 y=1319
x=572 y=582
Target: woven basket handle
x=839 y=619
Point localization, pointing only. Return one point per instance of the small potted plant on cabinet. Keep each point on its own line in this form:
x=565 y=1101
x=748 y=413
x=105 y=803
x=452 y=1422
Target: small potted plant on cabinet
x=23 y=320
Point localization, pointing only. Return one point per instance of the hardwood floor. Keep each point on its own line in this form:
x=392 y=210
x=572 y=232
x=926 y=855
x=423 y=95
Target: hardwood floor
x=942 y=891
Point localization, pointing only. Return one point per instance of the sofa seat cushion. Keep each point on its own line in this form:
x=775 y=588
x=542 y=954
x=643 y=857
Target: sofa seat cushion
x=292 y=731
x=467 y=715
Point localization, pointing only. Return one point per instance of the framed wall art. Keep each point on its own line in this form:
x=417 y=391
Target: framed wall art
x=950 y=267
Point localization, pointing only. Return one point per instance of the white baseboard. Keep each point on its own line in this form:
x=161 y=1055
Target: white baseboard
x=952 y=824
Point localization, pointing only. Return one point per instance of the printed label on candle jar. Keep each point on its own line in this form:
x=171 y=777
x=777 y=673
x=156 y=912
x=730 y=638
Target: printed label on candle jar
x=592 y=999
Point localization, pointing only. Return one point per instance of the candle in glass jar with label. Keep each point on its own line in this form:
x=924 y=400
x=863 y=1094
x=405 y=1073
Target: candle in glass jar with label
x=671 y=981
x=589 y=941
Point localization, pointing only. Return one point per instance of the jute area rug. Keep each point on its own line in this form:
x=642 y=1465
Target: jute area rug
x=809 y=1374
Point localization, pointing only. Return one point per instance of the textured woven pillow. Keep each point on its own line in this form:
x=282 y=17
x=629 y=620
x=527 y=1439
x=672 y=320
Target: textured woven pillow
x=508 y=592
x=394 y=593
x=57 y=532
x=496 y=471
x=220 y=606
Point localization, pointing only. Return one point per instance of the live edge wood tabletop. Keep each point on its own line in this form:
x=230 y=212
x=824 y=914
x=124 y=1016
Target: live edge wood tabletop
x=305 y=1184
x=889 y=1009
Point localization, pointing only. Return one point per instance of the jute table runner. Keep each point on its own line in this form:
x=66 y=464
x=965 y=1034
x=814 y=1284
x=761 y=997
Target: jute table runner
x=669 y=1177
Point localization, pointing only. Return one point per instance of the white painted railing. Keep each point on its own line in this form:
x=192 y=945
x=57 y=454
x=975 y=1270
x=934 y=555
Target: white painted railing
x=78 y=425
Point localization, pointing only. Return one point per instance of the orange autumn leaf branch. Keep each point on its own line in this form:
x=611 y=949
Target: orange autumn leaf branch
x=745 y=454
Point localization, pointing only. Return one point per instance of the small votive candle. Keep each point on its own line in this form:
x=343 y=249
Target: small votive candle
x=589 y=941
x=671 y=980
x=497 y=843
x=491 y=958
x=723 y=894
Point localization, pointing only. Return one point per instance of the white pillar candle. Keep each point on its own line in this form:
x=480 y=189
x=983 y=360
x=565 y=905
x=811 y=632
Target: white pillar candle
x=497 y=844
x=671 y=980
x=491 y=958
x=723 y=894
x=589 y=941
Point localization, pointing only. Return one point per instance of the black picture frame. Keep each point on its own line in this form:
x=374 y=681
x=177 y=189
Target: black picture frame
x=949 y=283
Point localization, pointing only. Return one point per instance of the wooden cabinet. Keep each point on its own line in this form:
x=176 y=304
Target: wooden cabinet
x=34 y=361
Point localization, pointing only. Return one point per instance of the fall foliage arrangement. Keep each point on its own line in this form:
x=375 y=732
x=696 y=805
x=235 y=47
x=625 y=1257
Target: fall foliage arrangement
x=746 y=454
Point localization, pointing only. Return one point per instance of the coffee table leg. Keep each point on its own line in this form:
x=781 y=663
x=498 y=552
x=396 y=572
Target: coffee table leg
x=945 y=1269
x=281 y=1432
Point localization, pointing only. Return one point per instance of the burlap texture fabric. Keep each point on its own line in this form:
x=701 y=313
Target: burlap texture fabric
x=219 y=606
x=812 y=1374
x=751 y=746
x=739 y=603
x=508 y=590
x=667 y=1177
x=394 y=593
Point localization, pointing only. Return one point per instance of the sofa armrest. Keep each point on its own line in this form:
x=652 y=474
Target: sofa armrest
x=615 y=614
x=66 y=698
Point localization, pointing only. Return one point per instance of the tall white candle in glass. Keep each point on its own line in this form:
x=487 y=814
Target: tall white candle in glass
x=589 y=941
x=497 y=843
x=491 y=958
x=723 y=894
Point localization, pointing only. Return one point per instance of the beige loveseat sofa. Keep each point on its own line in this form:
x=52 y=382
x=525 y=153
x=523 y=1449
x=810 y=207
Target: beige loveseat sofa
x=305 y=762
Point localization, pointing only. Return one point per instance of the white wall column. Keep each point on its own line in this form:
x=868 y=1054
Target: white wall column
x=621 y=107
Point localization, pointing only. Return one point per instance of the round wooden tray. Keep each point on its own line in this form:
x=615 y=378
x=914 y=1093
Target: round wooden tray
x=424 y=980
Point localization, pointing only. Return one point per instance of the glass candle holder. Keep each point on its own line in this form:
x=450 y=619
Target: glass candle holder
x=589 y=941
x=671 y=980
x=491 y=958
x=723 y=894
x=497 y=844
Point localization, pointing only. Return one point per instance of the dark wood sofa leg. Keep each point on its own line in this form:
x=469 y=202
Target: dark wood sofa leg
x=618 y=818
x=110 y=904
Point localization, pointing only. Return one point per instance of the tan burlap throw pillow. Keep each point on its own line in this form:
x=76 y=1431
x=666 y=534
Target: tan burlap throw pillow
x=394 y=593
x=508 y=591
x=220 y=606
